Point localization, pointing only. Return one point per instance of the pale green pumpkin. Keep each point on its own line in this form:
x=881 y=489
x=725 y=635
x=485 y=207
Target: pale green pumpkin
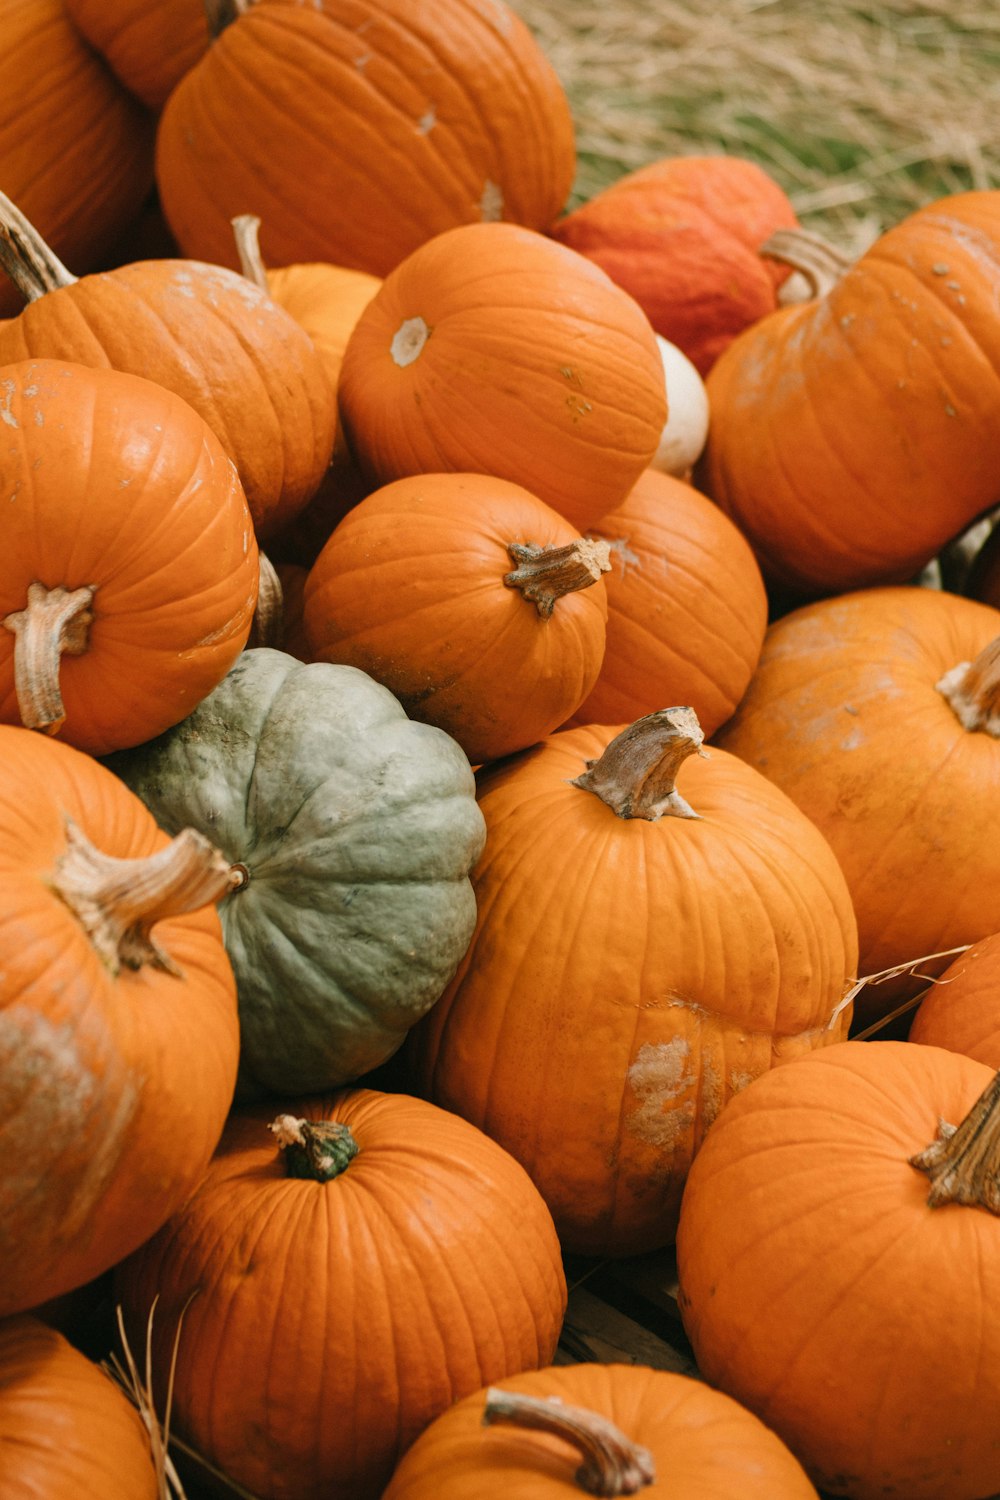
x=357 y=829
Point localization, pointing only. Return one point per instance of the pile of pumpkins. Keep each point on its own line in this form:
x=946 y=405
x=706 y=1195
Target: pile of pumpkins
x=495 y=708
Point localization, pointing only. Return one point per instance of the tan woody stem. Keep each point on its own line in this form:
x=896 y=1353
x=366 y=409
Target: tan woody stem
x=545 y=574
x=635 y=776
x=54 y=622
x=119 y=901
x=31 y=265
x=315 y=1149
x=963 y=1164
x=612 y=1463
x=267 y=625
x=819 y=263
x=972 y=689
x=246 y=229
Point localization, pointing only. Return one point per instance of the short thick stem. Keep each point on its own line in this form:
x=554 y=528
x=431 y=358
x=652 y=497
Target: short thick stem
x=246 y=230
x=635 y=776
x=819 y=263
x=267 y=625
x=314 y=1149
x=963 y=1164
x=119 y=901
x=972 y=690
x=544 y=574
x=612 y=1463
x=54 y=622
x=31 y=265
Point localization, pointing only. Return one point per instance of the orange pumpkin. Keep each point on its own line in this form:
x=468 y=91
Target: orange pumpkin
x=388 y=1257
x=854 y=434
x=493 y=349
x=683 y=236
x=806 y=1225
x=875 y=712
x=475 y=604
x=357 y=129
x=687 y=609
x=77 y=152
x=65 y=1427
x=118 y=1029
x=129 y=568
x=206 y=333
x=642 y=951
x=149 y=47
x=961 y=1010
x=663 y=1435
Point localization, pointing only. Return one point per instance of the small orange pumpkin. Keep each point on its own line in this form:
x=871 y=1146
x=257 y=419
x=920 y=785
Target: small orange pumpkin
x=961 y=1010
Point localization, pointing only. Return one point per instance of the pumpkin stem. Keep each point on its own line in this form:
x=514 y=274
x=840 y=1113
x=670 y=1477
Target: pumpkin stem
x=317 y=1149
x=635 y=776
x=119 y=901
x=815 y=259
x=268 y=617
x=964 y=1162
x=222 y=13
x=246 y=229
x=31 y=265
x=544 y=574
x=972 y=689
x=612 y=1463
x=54 y=621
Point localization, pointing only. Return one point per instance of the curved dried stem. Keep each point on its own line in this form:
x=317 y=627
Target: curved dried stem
x=612 y=1463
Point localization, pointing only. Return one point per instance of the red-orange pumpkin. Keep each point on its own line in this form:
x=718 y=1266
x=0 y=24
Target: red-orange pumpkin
x=148 y=44
x=687 y=609
x=492 y=348
x=357 y=129
x=683 y=236
x=393 y=1262
x=65 y=1427
x=206 y=333
x=76 y=151
x=664 y=1436
x=478 y=606
x=961 y=1010
x=118 y=1029
x=642 y=951
x=129 y=568
x=854 y=434
x=806 y=1225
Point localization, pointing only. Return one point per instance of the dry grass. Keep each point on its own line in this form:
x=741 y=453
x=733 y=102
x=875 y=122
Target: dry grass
x=862 y=113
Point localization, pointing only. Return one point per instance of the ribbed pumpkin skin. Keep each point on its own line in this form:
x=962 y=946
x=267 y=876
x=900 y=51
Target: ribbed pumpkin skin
x=704 y=1446
x=626 y=977
x=962 y=1011
x=682 y=235
x=82 y=174
x=149 y=47
x=410 y=589
x=413 y=117
x=326 y=301
x=116 y=483
x=426 y=1269
x=537 y=369
x=687 y=609
x=218 y=341
x=65 y=1428
x=844 y=715
x=115 y=1088
x=852 y=436
x=801 y=1303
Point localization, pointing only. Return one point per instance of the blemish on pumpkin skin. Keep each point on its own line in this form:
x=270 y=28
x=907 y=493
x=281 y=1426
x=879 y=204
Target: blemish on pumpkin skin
x=491 y=203
x=658 y=1077
x=6 y=415
x=427 y=122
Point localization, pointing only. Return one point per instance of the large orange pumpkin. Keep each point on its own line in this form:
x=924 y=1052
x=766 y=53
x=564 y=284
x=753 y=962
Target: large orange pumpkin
x=478 y=606
x=854 y=434
x=129 y=568
x=75 y=150
x=828 y=1287
x=637 y=1430
x=492 y=348
x=65 y=1427
x=118 y=1029
x=687 y=609
x=642 y=951
x=388 y=1258
x=242 y=362
x=875 y=712
x=148 y=44
x=357 y=129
